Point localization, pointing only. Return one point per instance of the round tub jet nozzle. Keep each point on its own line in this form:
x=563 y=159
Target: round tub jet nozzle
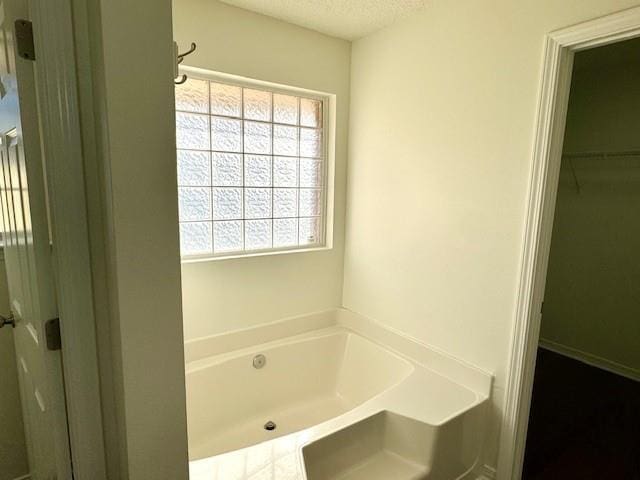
x=259 y=361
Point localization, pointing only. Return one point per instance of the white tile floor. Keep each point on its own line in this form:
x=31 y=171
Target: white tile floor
x=277 y=459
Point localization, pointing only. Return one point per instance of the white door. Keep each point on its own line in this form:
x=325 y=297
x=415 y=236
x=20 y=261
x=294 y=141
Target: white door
x=28 y=257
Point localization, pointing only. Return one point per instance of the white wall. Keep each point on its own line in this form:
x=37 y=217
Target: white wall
x=224 y=295
x=13 y=450
x=441 y=131
x=124 y=52
x=592 y=300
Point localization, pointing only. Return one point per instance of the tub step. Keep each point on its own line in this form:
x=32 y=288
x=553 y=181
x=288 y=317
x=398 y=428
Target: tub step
x=384 y=446
x=384 y=466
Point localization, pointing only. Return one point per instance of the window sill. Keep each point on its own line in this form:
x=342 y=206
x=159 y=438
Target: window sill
x=257 y=253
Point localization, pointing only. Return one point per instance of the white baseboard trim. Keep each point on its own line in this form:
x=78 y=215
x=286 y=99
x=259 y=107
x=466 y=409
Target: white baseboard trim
x=589 y=359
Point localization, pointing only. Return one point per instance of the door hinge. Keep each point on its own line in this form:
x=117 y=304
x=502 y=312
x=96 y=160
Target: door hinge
x=52 y=334
x=8 y=320
x=24 y=39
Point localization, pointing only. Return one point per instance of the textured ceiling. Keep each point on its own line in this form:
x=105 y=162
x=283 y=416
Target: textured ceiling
x=348 y=19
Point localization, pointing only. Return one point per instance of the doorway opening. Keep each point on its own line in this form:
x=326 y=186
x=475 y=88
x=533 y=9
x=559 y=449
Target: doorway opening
x=586 y=387
x=547 y=178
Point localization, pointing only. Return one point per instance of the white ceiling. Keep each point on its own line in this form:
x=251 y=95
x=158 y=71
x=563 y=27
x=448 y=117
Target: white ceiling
x=348 y=19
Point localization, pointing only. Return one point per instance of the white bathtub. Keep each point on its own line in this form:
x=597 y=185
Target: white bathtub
x=306 y=380
x=332 y=386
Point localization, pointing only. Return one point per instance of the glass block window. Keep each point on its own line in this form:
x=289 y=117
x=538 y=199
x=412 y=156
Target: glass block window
x=251 y=169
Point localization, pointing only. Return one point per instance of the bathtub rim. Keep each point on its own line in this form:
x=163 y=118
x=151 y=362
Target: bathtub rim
x=414 y=350
x=335 y=330
x=475 y=398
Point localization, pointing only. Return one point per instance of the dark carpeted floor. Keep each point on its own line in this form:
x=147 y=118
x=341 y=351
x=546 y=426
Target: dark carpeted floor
x=584 y=423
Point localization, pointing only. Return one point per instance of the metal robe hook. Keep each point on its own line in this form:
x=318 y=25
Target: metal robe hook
x=188 y=52
x=179 y=59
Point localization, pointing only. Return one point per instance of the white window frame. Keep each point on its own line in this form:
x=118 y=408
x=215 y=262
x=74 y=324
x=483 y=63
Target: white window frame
x=328 y=180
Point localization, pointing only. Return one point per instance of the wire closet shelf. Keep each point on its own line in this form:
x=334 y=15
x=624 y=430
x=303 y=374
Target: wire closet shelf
x=603 y=154
x=572 y=157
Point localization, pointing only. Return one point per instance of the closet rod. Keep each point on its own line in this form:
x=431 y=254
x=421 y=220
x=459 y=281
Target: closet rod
x=622 y=153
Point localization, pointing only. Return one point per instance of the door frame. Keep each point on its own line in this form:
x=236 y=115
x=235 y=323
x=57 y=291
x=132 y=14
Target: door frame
x=59 y=114
x=560 y=47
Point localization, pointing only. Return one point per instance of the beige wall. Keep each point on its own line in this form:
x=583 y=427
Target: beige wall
x=224 y=295
x=442 y=120
x=592 y=300
x=13 y=450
